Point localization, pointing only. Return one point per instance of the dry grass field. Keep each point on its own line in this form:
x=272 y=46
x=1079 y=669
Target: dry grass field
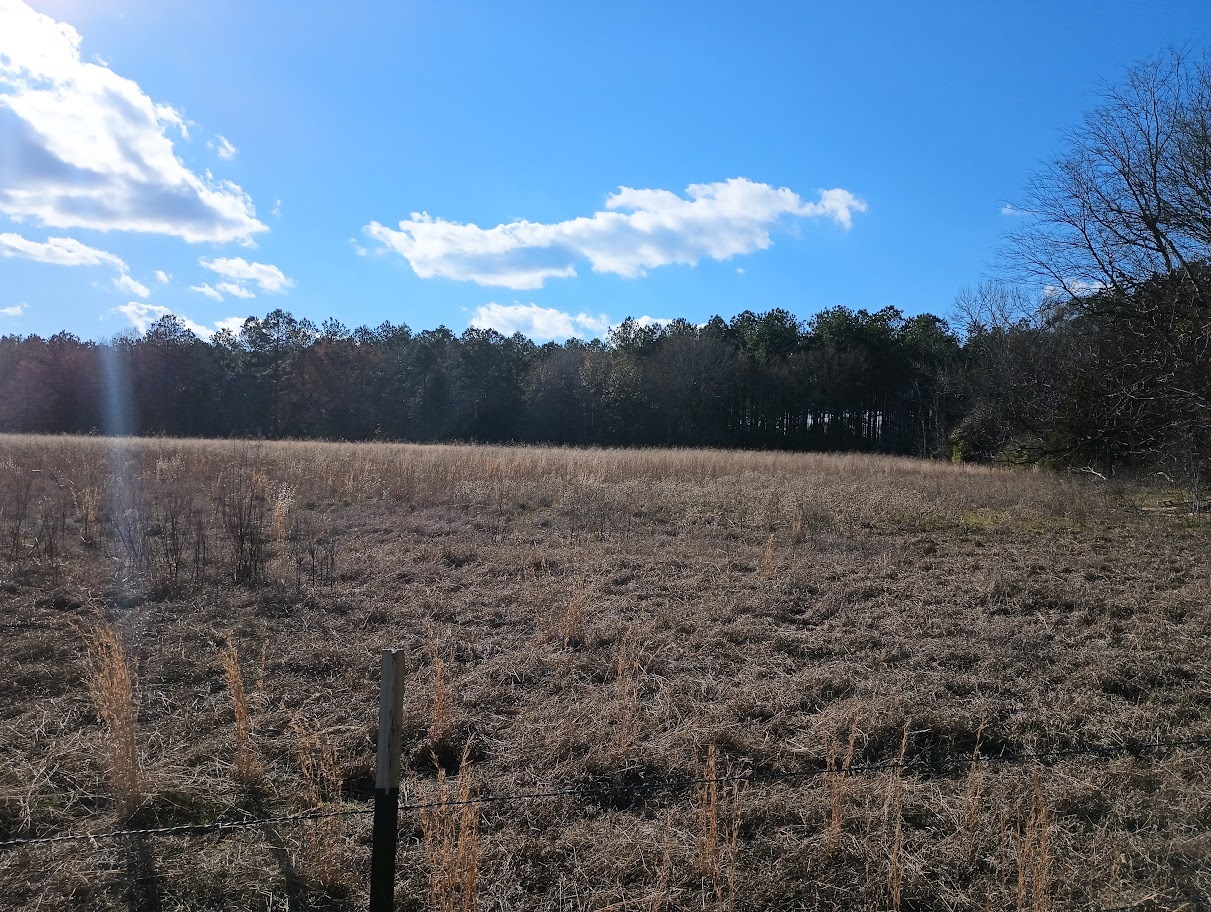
x=192 y=633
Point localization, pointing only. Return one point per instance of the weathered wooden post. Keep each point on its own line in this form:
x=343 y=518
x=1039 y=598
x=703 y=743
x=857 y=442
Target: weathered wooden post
x=386 y=783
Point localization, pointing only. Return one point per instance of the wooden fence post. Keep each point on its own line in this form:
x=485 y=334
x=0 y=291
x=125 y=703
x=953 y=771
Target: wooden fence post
x=386 y=783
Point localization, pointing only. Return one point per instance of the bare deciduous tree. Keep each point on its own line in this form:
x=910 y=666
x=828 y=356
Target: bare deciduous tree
x=1130 y=197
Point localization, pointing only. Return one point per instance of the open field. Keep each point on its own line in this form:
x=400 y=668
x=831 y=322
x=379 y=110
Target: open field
x=596 y=618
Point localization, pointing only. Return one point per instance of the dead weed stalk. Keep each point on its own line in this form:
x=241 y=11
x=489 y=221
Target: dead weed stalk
x=441 y=726
x=1034 y=855
x=769 y=558
x=718 y=811
x=894 y=811
x=837 y=782
x=973 y=789
x=247 y=767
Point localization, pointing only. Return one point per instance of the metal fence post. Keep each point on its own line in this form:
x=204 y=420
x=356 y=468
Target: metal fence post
x=386 y=783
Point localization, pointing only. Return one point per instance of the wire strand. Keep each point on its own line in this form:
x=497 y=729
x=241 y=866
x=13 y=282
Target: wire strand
x=598 y=788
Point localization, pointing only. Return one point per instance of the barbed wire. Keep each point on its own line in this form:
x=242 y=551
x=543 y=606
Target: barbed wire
x=600 y=787
x=1201 y=902
x=187 y=829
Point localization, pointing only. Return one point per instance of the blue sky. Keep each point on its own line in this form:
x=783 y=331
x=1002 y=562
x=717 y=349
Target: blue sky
x=556 y=166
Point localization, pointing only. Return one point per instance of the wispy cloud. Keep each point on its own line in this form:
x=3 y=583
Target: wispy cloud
x=265 y=275
x=125 y=283
x=236 y=291
x=1072 y=288
x=57 y=251
x=87 y=148
x=14 y=311
x=638 y=230
x=205 y=289
x=162 y=276
x=222 y=147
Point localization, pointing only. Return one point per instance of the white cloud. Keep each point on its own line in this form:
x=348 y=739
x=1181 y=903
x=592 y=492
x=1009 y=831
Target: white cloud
x=70 y=252
x=1072 y=288
x=646 y=321
x=231 y=324
x=1010 y=209
x=58 y=251
x=538 y=323
x=162 y=276
x=125 y=283
x=236 y=291
x=222 y=147
x=739 y=270
x=15 y=311
x=268 y=277
x=277 y=208
x=358 y=248
x=87 y=148
x=637 y=231
x=142 y=316
x=205 y=289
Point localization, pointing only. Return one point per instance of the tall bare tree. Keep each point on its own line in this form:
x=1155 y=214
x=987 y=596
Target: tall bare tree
x=1130 y=197
x=1119 y=225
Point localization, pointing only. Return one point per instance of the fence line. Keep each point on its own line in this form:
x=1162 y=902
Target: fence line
x=599 y=788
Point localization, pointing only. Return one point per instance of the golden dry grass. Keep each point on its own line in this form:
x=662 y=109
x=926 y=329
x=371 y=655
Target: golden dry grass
x=246 y=767
x=604 y=618
x=112 y=686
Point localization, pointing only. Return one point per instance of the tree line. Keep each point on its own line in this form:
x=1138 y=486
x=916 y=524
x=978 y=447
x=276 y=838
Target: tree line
x=1106 y=364
x=843 y=380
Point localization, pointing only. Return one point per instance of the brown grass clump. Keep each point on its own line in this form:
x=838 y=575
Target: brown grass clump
x=1034 y=856
x=769 y=557
x=573 y=618
x=973 y=788
x=323 y=857
x=718 y=816
x=451 y=840
x=627 y=690
x=895 y=812
x=247 y=767
x=441 y=717
x=838 y=782
x=113 y=687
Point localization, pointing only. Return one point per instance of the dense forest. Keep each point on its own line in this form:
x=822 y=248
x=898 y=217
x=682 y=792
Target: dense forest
x=843 y=380
x=1104 y=364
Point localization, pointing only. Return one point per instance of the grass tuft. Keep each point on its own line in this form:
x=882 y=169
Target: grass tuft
x=451 y=841
x=112 y=684
x=247 y=767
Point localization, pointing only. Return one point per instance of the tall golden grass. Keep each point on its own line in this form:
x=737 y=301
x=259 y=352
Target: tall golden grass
x=246 y=766
x=324 y=858
x=718 y=806
x=112 y=685
x=451 y=841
